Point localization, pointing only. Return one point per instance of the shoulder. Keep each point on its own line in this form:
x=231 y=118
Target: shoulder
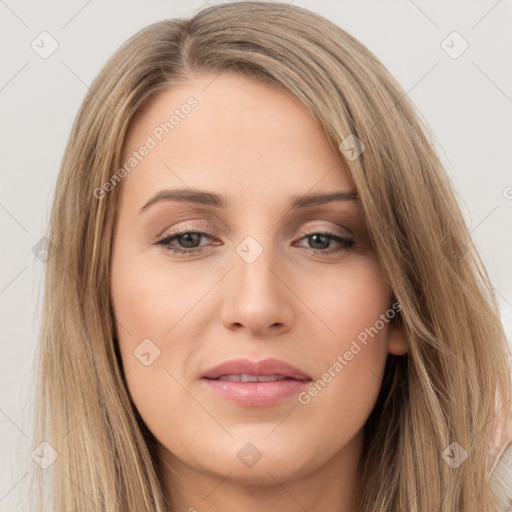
x=501 y=466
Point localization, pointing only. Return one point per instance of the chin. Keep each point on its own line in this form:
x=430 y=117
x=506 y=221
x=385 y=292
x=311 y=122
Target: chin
x=263 y=461
x=266 y=472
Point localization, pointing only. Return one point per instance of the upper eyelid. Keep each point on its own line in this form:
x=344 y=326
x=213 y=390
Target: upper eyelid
x=203 y=231
x=185 y=229
x=208 y=225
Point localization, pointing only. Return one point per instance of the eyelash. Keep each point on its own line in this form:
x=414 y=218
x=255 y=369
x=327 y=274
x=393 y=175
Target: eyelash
x=347 y=243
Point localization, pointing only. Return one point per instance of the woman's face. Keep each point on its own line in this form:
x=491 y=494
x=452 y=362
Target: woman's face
x=267 y=272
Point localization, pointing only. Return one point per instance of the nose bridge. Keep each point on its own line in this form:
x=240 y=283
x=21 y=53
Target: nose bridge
x=257 y=298
x=253 y=269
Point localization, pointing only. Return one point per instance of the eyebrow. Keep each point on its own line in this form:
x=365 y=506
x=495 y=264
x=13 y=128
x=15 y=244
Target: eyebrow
x=218 y=201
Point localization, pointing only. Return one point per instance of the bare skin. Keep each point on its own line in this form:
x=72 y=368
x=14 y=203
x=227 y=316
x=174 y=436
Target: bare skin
x=303 y=300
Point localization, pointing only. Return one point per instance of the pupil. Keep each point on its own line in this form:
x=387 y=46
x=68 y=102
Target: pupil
x=190 y=238
x=323 y=240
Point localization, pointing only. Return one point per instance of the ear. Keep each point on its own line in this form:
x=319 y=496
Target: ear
x=397 y=341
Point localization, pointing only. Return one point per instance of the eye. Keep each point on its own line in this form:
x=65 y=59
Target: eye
x=320 y=242
x=189 y=239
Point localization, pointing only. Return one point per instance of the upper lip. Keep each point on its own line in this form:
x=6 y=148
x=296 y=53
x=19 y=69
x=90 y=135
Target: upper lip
x=264 y=367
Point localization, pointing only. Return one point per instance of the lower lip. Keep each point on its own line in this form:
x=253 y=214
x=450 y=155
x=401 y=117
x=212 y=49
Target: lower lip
x=256 y=394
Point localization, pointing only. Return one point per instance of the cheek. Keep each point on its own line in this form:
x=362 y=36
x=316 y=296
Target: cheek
x=160 y=316
x=351 y=358
x=152 y=301
x=351 y=298
x=149 y=302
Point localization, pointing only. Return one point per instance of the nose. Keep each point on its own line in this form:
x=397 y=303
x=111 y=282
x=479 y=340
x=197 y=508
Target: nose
x=257 y=298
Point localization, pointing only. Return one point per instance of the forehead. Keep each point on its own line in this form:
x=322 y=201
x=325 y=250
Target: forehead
x=233 y=133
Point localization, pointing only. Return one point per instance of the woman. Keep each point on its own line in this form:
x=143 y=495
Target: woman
x=262 y=293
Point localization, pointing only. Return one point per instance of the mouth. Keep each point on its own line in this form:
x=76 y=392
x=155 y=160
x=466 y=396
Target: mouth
x=245 y=377
x=255 y=384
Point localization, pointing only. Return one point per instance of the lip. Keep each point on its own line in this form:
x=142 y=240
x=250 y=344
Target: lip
x=256 y=394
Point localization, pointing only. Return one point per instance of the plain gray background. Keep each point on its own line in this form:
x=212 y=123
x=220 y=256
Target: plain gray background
x=466 y=99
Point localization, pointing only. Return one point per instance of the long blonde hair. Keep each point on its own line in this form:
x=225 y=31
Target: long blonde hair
x=455 y=379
